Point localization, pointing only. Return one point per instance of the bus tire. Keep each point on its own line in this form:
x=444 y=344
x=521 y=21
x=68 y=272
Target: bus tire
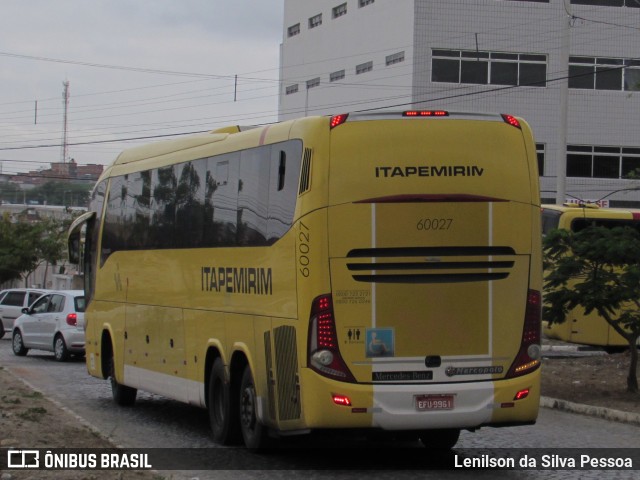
x=122 y=395
x=223 y=413
x=254 y=434
x=440 y=439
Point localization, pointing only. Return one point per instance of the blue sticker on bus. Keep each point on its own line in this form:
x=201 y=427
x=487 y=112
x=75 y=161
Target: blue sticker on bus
x=380 y=342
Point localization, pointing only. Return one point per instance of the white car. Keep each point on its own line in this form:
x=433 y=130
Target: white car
x=12 y=301
x=54 y=322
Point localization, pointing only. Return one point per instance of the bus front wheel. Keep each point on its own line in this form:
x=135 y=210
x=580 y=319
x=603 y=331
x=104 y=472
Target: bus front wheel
x=254 y=434
x=122 y=395
x=440 y=439
x=223 y=413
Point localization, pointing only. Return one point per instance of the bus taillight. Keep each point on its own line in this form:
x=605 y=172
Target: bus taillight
x=528 y=358
x=323 y=354
x=511 y=120
x=338 y=120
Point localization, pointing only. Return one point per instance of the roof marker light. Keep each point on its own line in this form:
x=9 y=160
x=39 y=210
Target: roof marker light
x=425 y=113
x=511 y=120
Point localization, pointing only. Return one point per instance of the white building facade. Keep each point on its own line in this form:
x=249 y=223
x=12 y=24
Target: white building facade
x=571 y=68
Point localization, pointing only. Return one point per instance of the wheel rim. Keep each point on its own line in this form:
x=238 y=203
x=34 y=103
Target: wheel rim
x=59 y=348
x=17 y=342
x=247 y=408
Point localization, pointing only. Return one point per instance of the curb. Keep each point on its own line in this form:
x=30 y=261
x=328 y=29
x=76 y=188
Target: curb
x=590 y=410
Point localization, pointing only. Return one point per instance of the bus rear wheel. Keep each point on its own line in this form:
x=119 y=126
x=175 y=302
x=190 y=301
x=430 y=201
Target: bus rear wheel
x=254 y=434
x=440 y=439
x=223 y=413
x=122 y=395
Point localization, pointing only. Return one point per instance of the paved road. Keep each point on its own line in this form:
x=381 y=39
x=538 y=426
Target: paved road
x=160 y=423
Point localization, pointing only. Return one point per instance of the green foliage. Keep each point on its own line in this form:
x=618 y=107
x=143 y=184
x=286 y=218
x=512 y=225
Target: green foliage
x=23 y=246
x=596 y=269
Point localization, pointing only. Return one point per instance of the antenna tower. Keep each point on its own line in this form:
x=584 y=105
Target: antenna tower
x=65 y=103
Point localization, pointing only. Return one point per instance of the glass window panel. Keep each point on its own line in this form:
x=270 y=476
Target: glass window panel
x=586 y=60
x=253 y=197
x=221 y=200
x=533 y=58
x=579 y=148
x=137 y=210
x=189 y=201
x=609 y=61
x=476 y=55
x=446 y=53
x=606 y=166
x=283 y=187
x=578 y=165
x=474 y=71
x=164 y=184
x=608 y=79
x=533 y=74
x=503 y=73
x=504 y=56
x=630 y=164
x=445 y=71
x=604 y=3
x=581 y=77
x=632 y=79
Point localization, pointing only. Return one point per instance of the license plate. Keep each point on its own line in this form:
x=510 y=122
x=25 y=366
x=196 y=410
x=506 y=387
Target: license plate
x=433 y=402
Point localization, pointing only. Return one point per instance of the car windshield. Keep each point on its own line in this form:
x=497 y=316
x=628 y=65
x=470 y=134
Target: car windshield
x=80 y=304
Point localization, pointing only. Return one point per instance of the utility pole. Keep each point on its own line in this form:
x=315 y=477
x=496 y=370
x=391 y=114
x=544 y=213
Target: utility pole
x=65 y=104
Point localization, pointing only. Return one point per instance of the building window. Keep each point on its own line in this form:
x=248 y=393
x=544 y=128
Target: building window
x=540 y=150
x=335 y=76
x=364 y=3
x=291 y=89
x=632 y=75
x=315 y=21
x=593 y=73
x=339 y=10
x=395 y=58
x=364 y=67
x=601 y=162
x=314 y=82
x=293 y=30
x=488 y=68
x=608 y=3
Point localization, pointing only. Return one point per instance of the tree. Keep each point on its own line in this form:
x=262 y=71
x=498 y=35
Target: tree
x=24 y=246
x=17 y=249
x=596 y=269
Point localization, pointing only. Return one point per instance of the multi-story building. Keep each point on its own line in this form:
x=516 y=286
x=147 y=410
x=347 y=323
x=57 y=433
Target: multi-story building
x=571 y=68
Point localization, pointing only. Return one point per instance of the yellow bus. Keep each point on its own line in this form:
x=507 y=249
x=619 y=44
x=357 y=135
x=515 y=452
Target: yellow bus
x=361 y=271
x=579 y=328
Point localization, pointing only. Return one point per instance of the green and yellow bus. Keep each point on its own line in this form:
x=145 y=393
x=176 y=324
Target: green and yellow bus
x=361 y=271
x=578 y=327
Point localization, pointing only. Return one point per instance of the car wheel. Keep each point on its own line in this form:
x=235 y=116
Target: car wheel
x=440 y=439
x=254 y=434
x=18 y=345
x=122 y=395
x=60 y=351
x=1 y=332
x=223 y=413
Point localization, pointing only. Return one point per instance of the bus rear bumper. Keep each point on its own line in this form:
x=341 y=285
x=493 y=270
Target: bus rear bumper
x=468 y=405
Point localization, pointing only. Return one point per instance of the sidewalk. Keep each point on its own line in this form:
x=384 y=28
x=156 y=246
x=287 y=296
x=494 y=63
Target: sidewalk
x=561 y=349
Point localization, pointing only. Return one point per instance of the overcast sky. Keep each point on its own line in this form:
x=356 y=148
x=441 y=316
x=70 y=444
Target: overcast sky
x=136 y=68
